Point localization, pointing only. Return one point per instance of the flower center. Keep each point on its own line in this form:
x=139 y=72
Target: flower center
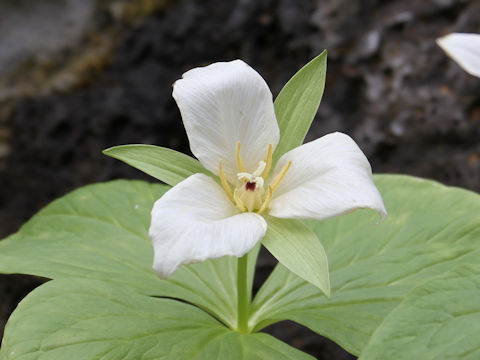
x=249 y=193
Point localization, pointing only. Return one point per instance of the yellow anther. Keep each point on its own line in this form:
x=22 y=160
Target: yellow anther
x=268 y=161
x=266 y=202
x=278 y=179
x=249 y=193
x=239 y=201
x=224 y=181
x=241 y=168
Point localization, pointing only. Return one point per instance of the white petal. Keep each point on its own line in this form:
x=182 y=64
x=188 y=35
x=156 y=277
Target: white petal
x=328 y=177
x=224 y=103
x=464 y=49
x=195 y=221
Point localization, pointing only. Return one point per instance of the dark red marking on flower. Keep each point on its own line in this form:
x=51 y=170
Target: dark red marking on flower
x=250 y=185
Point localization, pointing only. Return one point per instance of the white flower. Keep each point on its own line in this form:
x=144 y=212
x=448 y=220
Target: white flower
x=464 y=49
x=228 y=113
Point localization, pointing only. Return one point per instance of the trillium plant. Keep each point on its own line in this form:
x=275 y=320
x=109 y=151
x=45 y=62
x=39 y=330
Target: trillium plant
x=228 y=113
x=402 y=286
x=464 y=49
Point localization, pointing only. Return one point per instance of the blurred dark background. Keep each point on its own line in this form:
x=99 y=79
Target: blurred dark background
x=78 y=76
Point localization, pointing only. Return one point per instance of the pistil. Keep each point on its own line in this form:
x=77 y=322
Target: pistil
x=250 y=185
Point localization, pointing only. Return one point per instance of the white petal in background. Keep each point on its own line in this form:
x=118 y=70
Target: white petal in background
x=464 y=49
x=328 y=177
x=195 y=221
x=224 y=103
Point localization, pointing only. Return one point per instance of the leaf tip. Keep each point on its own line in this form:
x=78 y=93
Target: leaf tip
x=325 y=288
x=328 y=292
x=108 y=151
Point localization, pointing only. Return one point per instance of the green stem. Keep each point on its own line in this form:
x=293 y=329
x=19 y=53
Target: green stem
x=243 y=301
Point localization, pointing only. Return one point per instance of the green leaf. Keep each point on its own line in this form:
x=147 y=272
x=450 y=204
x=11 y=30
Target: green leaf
x=98 y=232
x=165 y=164
x=86 y=319
x=430 y=229
x=101 y=232
x=297 y=248
x=438 y=320
x=298 y=102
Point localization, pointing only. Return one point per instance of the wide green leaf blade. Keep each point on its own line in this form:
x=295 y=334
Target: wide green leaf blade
x=438 y=320
x=85 y=319
x=165 y=164
x=297 y=103
x=430 y=229
x=101 y=232
x=297 y=248
x=98 y=231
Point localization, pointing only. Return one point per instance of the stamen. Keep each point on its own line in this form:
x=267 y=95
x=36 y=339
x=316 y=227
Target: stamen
x=268 y=161
x=280 y=176
x=249 y=192
x=224 y=181
x=266 y=202
x=239 y=201
x=241 y=168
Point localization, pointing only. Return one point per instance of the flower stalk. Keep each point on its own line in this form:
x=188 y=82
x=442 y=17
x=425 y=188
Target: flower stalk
x=243 y=300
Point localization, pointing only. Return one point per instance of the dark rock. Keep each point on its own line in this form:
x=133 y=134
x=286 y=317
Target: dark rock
x=32 y=29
